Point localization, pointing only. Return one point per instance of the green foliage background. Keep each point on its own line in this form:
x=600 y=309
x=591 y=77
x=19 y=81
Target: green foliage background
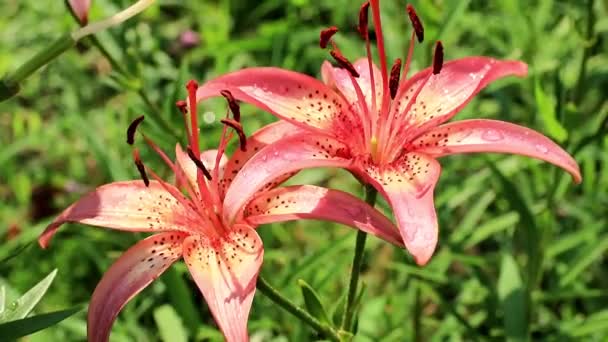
x=522 y=251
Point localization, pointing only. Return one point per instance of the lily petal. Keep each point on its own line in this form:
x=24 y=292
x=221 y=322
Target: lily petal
x=129 y=206
x=189 y=168
x=447 y=93
x=258 y=140
x=481 y=135
x=226 y=272
x=408 y=186
x=313 y=202
x=339 y=79
x=294 y=97
x=131 y=273
x=291 y=154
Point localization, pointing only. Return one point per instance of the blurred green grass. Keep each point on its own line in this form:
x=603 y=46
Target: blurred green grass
x=522 y=250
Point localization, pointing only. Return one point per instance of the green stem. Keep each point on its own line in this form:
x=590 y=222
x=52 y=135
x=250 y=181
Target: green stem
x=295 y=310
x=9 y=86
x=349 y=309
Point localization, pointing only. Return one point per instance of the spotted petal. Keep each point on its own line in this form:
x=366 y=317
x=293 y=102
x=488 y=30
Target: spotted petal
x=313 y=202
x=129 y=206
x=445 y=94
x=259 y=139
x=408 y=186
x=339 y=79
x=291 y=154
x=494 y=136
x=291 y=96
x=130 y=274
x=226 y=270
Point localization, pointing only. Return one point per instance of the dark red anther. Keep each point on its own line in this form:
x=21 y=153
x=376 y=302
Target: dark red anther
x=393 y=82
x=140 y=167
x=363 y=15
x=132 y=128
x=233 y=104
x=344 y=63
x=438 y=58
x=239 y=130
x=198 y=163
x=416 y=23
x=326 y=35
x=182 y=106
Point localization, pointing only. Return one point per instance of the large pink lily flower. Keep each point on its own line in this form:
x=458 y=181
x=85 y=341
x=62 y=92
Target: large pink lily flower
x=223 y=257
x=387 y=132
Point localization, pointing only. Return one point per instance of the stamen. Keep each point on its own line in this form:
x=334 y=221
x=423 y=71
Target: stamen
x=363 y=15
x=393 y=82
x=198 y=163
x=344 y=63
x=416 y=23
x=239 y=130
x=233 y=104
x=182 y=106
x=192 y=86
x=140 y=167
x=438 y=58
x=326 y=35
x=132 y=128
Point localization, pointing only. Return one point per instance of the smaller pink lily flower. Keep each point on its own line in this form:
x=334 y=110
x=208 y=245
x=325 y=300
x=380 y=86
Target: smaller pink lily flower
x=387 y=132
x=223 y=257
x=80 y=9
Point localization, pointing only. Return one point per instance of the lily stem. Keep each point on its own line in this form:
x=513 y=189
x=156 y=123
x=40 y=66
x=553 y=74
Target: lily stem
x=349 y=307
x=282 y=301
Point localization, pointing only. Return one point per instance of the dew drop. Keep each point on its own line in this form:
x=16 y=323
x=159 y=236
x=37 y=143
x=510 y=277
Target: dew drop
x=276 y=153
x=541 y=148
x=411 y=232
x=492 y=135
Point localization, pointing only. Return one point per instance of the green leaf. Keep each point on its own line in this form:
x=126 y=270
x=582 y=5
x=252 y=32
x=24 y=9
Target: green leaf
x=513 y=300
x=586 y=256
x=546 y=109
x=2 y=298
x=180 y=297
x=169 y=324
x=26 y=326
x=24 y=305
x=313 y=303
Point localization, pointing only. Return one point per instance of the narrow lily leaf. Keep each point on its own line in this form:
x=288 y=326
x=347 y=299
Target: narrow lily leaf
x=313 y=302
x=546 y=109
x=25 y=304
x=180 y=298
x=593 y=252
x=169 y=324
x=26 y=326
x=2 y=299
x=513 y=300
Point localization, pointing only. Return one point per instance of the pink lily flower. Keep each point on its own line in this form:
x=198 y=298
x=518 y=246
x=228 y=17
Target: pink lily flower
x=80 y=9
x=223 y=257
x=387 y=132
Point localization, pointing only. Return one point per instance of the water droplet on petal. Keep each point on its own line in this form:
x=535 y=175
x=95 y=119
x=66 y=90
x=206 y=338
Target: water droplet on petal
x=492 y=135
x=541 y=148
x=411 y=231
x=264 y=158
x=276 y=153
